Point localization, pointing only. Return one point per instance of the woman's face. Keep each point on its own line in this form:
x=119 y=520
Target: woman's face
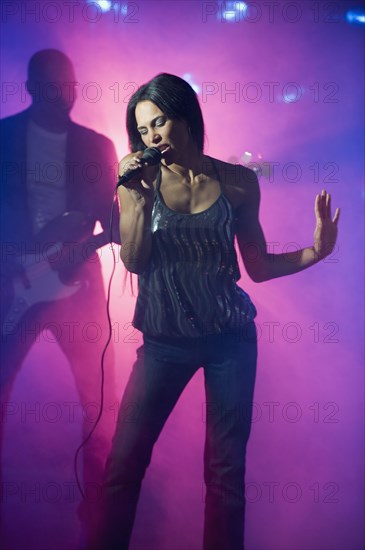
x=157 y=130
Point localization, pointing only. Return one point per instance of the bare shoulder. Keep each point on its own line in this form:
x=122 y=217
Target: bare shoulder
x=239 y=182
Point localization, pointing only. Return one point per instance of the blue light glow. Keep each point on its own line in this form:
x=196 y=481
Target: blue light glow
x=356 y=17
x=234 y=11
x=104 y=5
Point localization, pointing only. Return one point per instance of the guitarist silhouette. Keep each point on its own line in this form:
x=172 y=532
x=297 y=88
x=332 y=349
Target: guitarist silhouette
x=57 y=181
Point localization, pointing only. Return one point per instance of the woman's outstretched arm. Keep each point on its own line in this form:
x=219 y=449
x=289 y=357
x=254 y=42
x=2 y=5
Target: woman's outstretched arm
x=261 y=265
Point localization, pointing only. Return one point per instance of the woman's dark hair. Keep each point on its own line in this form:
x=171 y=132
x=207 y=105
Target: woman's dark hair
x=176 y=98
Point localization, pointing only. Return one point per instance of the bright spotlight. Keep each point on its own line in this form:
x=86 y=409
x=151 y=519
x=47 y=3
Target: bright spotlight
x=355 y=17
x=104 y=5
x=246 y=157
x=189 y=80
x=234 y=11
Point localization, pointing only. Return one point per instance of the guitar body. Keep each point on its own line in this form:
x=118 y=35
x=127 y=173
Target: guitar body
x=47 y=274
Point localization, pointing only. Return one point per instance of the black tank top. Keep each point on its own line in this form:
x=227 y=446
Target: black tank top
x=188 y=288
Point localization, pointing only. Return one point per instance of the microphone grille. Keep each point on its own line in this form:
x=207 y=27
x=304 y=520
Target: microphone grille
x=152 y=155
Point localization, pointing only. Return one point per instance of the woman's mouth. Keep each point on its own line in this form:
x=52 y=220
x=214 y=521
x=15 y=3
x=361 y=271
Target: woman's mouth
x=163 y=148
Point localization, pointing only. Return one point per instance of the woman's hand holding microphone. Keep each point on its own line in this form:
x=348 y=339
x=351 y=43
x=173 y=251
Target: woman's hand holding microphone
x=137 y=173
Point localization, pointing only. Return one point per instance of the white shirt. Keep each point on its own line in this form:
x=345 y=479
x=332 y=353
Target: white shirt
x=46 y=182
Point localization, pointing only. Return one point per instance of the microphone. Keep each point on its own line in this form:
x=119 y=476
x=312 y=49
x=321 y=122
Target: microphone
x=151 y=156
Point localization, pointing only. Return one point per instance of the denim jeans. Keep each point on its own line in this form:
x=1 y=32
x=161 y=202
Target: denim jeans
x=163 y=368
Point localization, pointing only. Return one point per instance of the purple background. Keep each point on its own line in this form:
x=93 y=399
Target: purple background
x=307 y=437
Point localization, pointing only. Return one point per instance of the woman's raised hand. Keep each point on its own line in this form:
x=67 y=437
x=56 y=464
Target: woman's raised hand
x=140 y=187
x=325 y=233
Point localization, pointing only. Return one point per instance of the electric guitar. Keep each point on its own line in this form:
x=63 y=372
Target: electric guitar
x=50 y=271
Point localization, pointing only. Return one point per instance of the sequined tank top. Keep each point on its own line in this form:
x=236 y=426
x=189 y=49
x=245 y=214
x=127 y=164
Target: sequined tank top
x=188 y=288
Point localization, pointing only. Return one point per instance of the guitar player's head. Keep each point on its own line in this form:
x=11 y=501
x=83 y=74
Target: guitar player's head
x=51 y=83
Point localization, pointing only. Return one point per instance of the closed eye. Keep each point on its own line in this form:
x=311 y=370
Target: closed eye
x=161 y=121
x=158 y=121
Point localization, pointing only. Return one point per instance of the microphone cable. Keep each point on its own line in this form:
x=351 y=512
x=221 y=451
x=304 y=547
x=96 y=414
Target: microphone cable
x=110 y=333
x=151 y=156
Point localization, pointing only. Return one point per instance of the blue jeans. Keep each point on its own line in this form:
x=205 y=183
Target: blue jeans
x=163 y=368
